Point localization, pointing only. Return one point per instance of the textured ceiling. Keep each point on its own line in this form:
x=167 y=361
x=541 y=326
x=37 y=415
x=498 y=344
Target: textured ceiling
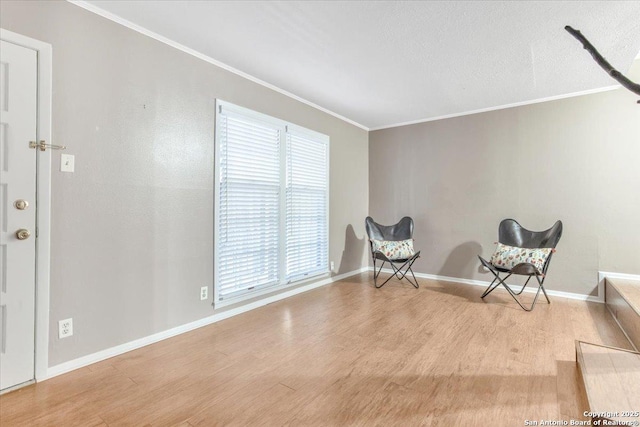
x=390 y=62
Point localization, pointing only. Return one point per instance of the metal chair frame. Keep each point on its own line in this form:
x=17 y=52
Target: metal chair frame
x=513 y=234
x=403 y=230
x=397 y=272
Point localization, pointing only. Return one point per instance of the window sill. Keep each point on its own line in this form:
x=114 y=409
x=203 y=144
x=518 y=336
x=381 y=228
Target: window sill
x=267 y=292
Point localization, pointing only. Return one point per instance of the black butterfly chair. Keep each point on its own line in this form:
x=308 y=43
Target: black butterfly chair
x=513 y=234
x=403 y=230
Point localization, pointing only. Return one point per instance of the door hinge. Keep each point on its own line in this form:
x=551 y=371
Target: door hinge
x=42 y=146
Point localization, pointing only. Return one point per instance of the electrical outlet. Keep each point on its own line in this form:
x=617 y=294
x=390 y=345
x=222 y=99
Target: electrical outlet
x=65 y=328
x=332 y=265
x=204 y=293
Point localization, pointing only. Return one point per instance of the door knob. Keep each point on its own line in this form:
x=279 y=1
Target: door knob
x=21 y=204
x=23 y=234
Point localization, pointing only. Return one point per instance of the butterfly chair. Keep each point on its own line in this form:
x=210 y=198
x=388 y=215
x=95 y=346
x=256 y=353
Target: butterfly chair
x=522 y=252
x=392 y=244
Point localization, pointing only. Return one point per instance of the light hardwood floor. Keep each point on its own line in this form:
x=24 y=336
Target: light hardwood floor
x=344 y=354
x=612 y=381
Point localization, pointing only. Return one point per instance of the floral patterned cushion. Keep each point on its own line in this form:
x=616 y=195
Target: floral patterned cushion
x=401 y=249
x=508 y=257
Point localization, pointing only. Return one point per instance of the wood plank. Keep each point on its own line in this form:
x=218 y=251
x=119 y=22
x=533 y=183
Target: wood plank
x=629 y=290
x=623 y=301
x=343 y=354
x=611 y=378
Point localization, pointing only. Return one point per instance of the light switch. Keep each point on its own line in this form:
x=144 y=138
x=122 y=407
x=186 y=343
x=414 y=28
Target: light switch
x=67 y=162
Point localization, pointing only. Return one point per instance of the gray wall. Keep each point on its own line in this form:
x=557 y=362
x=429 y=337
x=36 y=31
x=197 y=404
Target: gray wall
x=576 y=159
x=132 y=228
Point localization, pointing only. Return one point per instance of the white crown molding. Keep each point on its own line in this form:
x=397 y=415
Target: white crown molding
x=500 y=107
x=99 y=356
x=119 y=20
x=115 y=18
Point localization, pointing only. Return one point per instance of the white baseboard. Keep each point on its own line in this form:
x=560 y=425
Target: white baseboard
x=603 y=274
x=99 y=356
x=570 y=295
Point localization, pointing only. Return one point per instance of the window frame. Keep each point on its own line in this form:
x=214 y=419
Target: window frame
x=285 y=127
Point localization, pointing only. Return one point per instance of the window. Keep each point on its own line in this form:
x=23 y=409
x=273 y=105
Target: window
x=306 y=207
x=271 y=216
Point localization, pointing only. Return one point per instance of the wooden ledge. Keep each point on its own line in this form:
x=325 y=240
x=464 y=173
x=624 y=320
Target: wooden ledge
x=611 y=378
x=629 y=290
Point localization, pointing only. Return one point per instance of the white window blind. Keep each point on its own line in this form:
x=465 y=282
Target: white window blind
x=306 y=208
x=271 y=218
x=249 y=224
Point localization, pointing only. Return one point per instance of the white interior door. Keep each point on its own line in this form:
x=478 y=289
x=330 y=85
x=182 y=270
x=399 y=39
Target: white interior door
x=18 y=107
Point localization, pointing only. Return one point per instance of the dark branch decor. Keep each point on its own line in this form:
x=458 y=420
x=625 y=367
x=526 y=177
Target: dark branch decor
x=617 y=75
